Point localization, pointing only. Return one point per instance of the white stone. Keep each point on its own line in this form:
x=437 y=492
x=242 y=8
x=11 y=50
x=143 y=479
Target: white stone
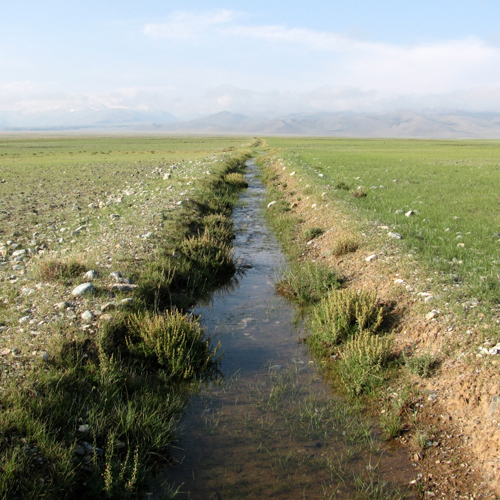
x=84 y=288
x=370 y=258
x=87 y=316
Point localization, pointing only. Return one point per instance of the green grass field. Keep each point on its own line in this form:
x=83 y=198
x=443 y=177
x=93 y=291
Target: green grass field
x=450 y=186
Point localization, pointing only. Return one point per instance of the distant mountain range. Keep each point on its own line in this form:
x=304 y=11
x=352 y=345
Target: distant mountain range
x=401 y=124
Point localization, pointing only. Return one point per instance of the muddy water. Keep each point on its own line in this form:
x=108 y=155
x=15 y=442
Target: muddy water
x=271 y=428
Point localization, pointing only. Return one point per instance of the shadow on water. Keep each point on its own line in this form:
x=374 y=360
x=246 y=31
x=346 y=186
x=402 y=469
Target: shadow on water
x=272 y=429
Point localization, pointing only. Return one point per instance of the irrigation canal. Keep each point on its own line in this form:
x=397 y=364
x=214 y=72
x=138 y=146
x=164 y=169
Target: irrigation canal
x=271 y=428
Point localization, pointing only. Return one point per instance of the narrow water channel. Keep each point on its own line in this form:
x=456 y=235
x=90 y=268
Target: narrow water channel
x=271 y=428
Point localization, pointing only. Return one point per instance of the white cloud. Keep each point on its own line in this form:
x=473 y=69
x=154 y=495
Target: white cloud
x=338 y=60
x=188 y=26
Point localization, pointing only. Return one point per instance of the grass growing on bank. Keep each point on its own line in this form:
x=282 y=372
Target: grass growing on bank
x=345 y=325
x=96 y=416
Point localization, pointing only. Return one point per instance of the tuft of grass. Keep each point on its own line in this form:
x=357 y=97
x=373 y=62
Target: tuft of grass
x=307 y=282
x=236 y=180
x=54 y=269
x=313 y=232
x=344 y=244
x=174 y=342
x=342 y=314
x=423 y=366
x=342 y=185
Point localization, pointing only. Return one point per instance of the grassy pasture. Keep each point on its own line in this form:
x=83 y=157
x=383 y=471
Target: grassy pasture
x=450 y=186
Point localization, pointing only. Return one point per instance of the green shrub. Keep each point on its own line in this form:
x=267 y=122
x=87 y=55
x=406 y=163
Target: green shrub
x=175 y=342
x=342 y=314
x=362 y=359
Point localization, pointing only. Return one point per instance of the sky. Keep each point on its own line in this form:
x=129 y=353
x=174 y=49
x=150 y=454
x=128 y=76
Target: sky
x=194 y=58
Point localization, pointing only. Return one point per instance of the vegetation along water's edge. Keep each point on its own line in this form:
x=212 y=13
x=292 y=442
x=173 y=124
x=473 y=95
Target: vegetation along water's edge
x=394 y=306
x=90 y=404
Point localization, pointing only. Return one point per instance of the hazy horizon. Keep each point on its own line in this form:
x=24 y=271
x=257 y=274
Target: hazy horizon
x=263 y=59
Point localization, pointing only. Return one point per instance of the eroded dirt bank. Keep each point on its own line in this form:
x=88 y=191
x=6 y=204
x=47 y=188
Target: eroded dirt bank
x=452 y=420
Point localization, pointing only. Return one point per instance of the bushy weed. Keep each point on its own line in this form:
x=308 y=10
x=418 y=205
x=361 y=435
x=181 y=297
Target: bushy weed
x=175 y=342
x=362 y=359
x=342 y=314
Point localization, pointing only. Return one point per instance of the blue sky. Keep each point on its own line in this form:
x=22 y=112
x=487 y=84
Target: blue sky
x=260 y=57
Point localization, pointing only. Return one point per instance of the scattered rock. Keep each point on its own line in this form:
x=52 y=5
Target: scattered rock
x=4 y=352
x=127 y=302
x=84 y=428
x=45 y=356
x=24 y=319
x=63 y=305
x=370 y=258
x=116 y=275
x=409 y=213
x=87 y=316
x=431 y=315
x=493 y=407
x=396 y=236
x=105 y=317
x=91 y=275
x=84 y=289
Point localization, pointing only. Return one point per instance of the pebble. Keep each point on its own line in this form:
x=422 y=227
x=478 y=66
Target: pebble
x=4 y=352
x=18 y=253
x=24 y=319
x=83 y=289
x=63 y=305
x=91 y=275
x=116 y=275
x=431 y=315
x=370 y=258
x=396 y=236
x=84 y=428
x=127 y=302
x=109 y=306
x=409 y=213
x=45 y=356
x=105 y=317
x=399 y=212
x=87 y=315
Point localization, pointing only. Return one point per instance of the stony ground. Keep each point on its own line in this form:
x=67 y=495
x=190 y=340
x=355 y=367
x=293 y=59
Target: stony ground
x=454 y=433
x=109 y=234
